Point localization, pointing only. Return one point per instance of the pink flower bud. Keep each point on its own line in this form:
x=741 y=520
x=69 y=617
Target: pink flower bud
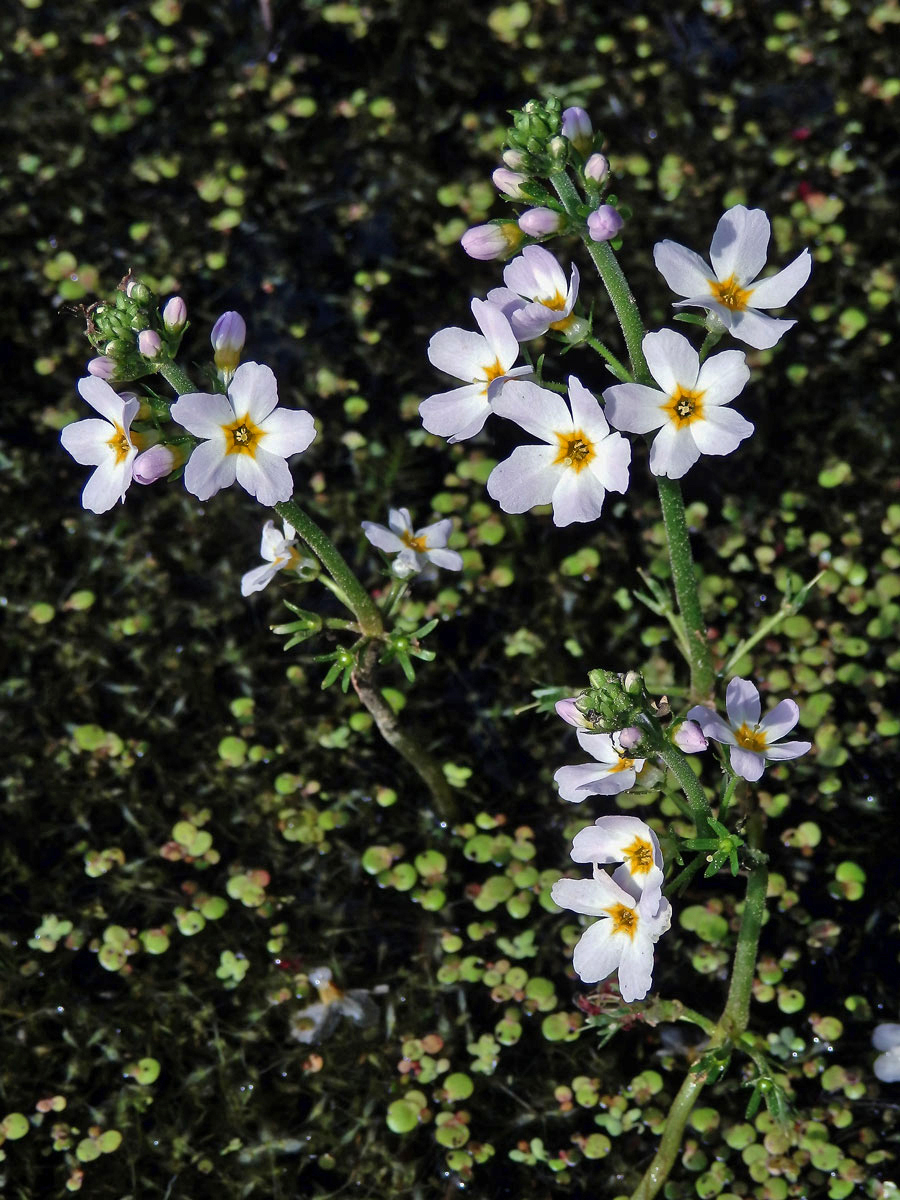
x=577 y=127
x=689 y=737
x=604 y=224
x=149 y=343
x=629 y=737
x=102 y=367
x=227 y=338
x=539 y=222
x=491 y=241
x=597 y=168
x=174 y=314
x=509 y=182
x=156 y=463
x=570 y=713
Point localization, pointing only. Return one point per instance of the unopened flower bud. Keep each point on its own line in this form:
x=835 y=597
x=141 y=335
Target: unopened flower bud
x=102 y=367
x=156 y=463
x=604 y=224
x=569 y=711
x=509 y=182
x=558 y=149
x=149 y=343
x=539 y=222
x=576 y=329
x=492 y=241
x=174 y=314
x=629 y=737
x=690 y=738
x=577 y=127
x=227 y=338
x=137 y=291
x=514 y=159
x=633 y=683
x=596 y=168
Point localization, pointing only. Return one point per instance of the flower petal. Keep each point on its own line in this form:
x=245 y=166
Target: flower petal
x=577 y=497
x=611 y=461
x=88 y=441
x=589 y=896
x=776 y=290
x=786 y=750
x=574 y=781
x=382 y=538
x=740 y=243
x=755 y=328
x=535 y=409
x=108 y=484
x=209 y=469
x=288 y=431
x=673 y=452
x=203 y=414
x=781 y=720
x=502 y=342
x=886 y=1036
x=253 y=392
x=400 y=521
x=597 y=953
x=527 y=478
x=532 y=319
x=460 y=353
x=712 y=724
x=459 y=413
x=599 y=746
x=635 y=407
x=685 y=272
x=102 y=398
x=450 y=560
x=586 y=411
x=267 y=477
x=271 y=542
x=723 y=377
x=742 y=703
x=636 y=966
x=721 y=431
x=747 y=764
x=672 y=359
x=607 y=839
x=259 y=578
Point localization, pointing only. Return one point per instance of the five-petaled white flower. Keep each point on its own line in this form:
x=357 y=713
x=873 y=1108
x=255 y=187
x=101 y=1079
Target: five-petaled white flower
x=278 y=550
x=731 y=288
x=536 y=297
x=419 y=551
x=573 y=471
x=689 y=410
x=617 y=772
x=106 y=445
x=485 y=360
x=248 y=437
x=751 y=740
x=635 y=919
x=626 y=840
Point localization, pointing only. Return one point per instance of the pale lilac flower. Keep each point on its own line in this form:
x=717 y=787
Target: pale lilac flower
x=689 y=410
x=485 y=360
x=613 y=772
x=752 y=741
x=106 y=445
x=228 y=336
x=509 y=182
x=415 y=550
x=626 y=840
x=248 y=437
x=174 y=314
x=149 y=343
x=540 y=222
x=536 y=297
x=731 y=287
x=886 y=1038
x=101 y=367
x=486 y=242
x=689 y=738
x=279 y=552
x=596 y=168
x=581 y=460
x=605 y=223
x=156 y=463
x=577 y=127
x=634 y=920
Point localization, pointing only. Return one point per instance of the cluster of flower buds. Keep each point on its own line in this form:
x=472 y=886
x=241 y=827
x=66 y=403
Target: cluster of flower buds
x=131 y=335
x=614 y=701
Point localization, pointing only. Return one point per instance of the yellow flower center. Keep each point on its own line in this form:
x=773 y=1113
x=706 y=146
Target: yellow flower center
x=557 y=301
x=624 y=764
x=624 y=919
x=684 y=407
x=575 y=450
x=494 y=371
x=639 y=856
x=414 y=543
x=730 y=293
x=242 y=437
x=328 y=993
x=750 y=738
x=119 y=444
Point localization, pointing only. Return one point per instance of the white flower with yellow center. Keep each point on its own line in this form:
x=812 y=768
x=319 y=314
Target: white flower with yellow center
x=752 y=741
x=536 y=297
x=485 y=360
x=731 y=287
x=279 y=552
x=107 y=445
x=689 y=409
x=626 y=840
x=613 y=772
x=418 y=551
x=248 y=438
x=581 y=460
x=634 y=919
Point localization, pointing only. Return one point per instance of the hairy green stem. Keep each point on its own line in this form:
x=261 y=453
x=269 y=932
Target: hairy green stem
x=426 y=767
x=357 y=598
x=690 y=785
x=729 y=1027
x=177 y=378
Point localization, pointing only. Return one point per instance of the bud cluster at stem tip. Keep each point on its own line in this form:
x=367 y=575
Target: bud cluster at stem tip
x=132 y=338
x=615 y=701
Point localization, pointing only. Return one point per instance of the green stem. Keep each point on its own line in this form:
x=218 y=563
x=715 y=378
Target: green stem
x=358 y=599
x=690 y=785
x=728 y=796
x=618 y=369
x=729 y=1027
x=177 y=378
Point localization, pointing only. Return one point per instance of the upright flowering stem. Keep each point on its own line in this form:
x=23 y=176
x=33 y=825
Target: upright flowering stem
x=680 y=767
x=729 y=1027
x=670 y=498
x=363 y=606
x=177 y=378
